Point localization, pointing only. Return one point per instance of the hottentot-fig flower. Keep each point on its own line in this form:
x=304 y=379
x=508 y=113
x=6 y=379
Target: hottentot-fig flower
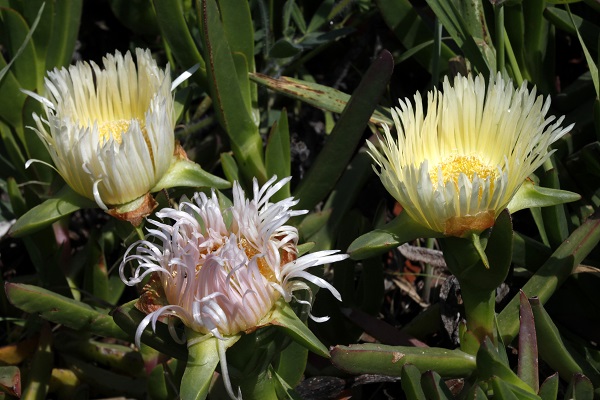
x=109 y=130
x=221 y=272
x=454 y=167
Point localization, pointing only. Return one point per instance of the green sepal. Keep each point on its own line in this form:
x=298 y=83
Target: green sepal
x=530 y=195
x=410 y=378
x=62 y=310
x=398 y=231
x=202 y=360
x=186 y=173
x=480 y=249
x=64 y=203
x=128 y=318
x=283 y=316
x=490 y=364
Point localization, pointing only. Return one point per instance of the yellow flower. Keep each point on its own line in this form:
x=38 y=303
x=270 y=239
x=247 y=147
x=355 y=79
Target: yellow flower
x=455 y=167
x=109 y=130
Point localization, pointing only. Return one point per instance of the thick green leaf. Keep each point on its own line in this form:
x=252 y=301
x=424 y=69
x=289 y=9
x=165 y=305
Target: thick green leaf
x=398 y=231
x=411 y=382
x=346 y=135
x=202 y=361
x=283 y=316
x=237 y=24
x=231 y=109
x=476 y=393
x=12 y=148
x=434 y=386
x=128 y=318
x=551 y=347
x=17 y=32
x=105 y=381
x=528 y=351
x=65 y=28
x=40 y=371
x=277 y=154
x=580 y=388
x=490 y=364
x=507 y=391
x=552 y=274
x=175 y=31
x=230 y=168
x=11 y=101
x=51 y=210
x=470 y=34
x=549 y=389
x=163 y=383
x=316 y=95
x=343 y=197
x=62 y=310
x=531 y=195
x=186 y=173
x=137 y=15
x=415 y=34
x=370 y=358
x=529 y=253
x=291 y=363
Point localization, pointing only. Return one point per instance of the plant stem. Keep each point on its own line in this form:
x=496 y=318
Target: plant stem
x=480 y=311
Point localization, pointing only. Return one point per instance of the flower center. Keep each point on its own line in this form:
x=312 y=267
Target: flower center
x=263 y=267
x=114 y=129
x=454 y=165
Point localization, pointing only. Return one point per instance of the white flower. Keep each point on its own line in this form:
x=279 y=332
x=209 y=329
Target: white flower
x=109 y=130
x=222 y=278
x=457 y=166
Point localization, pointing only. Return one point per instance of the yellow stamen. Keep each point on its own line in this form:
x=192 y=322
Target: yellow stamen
x=263 y=267
x=452 y=166
x=115 y=129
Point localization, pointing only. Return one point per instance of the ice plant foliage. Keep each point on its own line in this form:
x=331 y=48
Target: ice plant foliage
x=455 y=167
x=109 y=130
x=223 y=271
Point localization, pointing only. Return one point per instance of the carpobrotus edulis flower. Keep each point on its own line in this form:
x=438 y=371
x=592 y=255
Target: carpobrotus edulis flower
x=109 y=130
x=455 y=167
x=221 y=272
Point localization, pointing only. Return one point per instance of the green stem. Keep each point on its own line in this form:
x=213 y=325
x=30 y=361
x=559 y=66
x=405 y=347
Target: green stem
x=479 y=311
x=513 y=60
